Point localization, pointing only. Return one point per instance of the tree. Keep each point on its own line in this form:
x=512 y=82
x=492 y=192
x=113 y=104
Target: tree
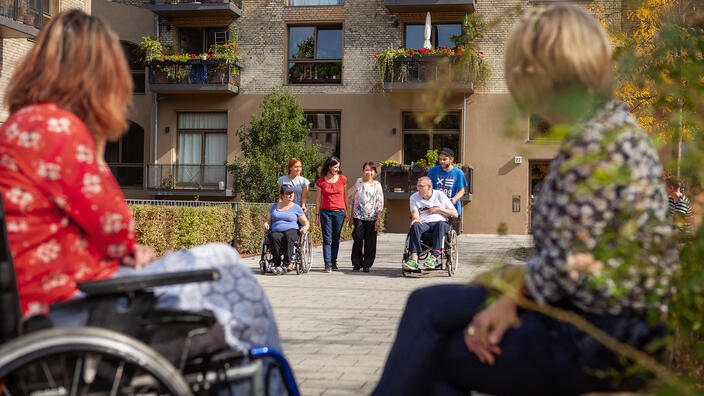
x=272 y=138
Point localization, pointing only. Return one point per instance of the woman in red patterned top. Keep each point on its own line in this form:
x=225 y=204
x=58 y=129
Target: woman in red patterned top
x=67 y=219
x=331 y=203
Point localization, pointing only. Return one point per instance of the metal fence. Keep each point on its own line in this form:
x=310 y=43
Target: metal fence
x=28 y=12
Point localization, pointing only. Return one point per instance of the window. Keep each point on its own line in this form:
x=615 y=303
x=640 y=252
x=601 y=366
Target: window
x=314 y=55
x=199 y=40
x=440 y=34
x=416 y=140
x=202 y=148
x=125 y=157
x=134 y=60
x=538 y=127
x=315 y=2
x=325 y=132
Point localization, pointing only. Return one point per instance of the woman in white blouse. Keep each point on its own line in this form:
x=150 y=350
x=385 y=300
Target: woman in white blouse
x=367 y=204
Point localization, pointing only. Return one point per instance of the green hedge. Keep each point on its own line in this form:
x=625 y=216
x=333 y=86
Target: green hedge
x=167 y=228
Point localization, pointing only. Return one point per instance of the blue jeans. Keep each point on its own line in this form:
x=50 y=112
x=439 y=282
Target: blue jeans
x=439 y=229
x=542 y=356
x=331 y=222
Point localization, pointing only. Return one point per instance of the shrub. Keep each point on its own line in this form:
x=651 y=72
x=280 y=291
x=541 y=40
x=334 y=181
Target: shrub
x=167 y=228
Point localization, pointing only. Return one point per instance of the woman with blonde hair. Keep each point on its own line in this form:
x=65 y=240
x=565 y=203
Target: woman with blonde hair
x=67 y=219
x=558 y=65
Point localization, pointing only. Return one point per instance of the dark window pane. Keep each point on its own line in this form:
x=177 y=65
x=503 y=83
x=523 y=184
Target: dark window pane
x=315 y=73
x=538 y=127
x=409 y=121
x=415 y=146
x=300 y=42
x=415 y=36
x=133 y=145
x=191 y=40
x=329 y=142
x=323 y=120
x=138 y=79
x=112 y=152
x=450 y=141
x=451 y=121
x=329 y=44
x=445 y=31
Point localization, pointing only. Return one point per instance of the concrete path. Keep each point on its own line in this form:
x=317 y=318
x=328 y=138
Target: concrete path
x=338 y=328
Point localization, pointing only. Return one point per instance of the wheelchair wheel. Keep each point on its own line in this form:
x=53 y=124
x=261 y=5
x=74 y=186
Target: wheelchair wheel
x=307 y=252
x=453 y=254
x=298 y=259
x=85 y=360
x=266 y=257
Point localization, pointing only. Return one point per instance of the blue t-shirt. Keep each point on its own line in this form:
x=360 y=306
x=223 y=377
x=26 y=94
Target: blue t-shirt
x=448 y=182
x=282 y=220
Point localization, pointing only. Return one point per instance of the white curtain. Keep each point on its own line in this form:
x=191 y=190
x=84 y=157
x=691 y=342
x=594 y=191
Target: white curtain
x=189 y=160
x=202 y=120
x=215 y=154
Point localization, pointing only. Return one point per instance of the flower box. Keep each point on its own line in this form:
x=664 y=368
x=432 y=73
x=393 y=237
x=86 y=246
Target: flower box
x=416 y=172
x=394 y=178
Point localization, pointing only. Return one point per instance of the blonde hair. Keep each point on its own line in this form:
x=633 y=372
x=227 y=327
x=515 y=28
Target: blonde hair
x=78 y=64
x=558 y=49
x=425 y=180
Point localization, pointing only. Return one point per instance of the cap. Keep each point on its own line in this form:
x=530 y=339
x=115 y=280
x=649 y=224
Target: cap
x=447 y=151
x=287 y=188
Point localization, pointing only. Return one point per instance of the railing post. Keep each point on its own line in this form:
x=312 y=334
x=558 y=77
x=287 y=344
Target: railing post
x=235 y=206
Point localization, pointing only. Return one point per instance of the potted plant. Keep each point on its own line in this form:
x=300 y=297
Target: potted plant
x=394 y=176
x=418 y=168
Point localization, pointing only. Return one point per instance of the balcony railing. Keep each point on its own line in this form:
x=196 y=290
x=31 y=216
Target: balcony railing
x=430 y=5
x=400 y=181
x=415 y=72
x=197 y=8
x=22 y=18
x=186 y=178
x=128 y=175
x=194 y=76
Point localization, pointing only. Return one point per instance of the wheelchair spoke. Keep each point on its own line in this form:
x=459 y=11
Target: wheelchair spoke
x=118 y=378
x=76 y=376
x=48 y=375
x=5 y=391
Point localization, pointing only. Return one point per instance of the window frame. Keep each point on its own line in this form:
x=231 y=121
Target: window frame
x=340 y=3
x=203 y=133
x=409 y=131
x=314 y=60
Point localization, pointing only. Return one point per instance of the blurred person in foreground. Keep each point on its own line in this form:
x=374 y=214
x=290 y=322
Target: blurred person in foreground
x=604 y=189
x=67 y=219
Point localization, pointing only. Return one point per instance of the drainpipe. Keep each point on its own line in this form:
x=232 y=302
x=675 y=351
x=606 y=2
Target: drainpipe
x=464 y=143
x=156 y=101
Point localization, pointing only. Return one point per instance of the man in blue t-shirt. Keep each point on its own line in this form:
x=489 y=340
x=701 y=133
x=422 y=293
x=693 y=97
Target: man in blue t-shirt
x=449 y=180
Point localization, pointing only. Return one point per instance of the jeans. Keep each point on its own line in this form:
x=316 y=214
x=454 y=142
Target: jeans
x=364 y=246
x=542 y=356
x=439 y=229
x=331 y=222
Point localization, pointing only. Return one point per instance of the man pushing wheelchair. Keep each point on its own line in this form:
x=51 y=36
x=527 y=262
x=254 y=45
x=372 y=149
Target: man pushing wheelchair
x=430 y=211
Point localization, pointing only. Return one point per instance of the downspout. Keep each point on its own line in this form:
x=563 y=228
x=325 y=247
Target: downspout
x=156 y=101
x=464 y=143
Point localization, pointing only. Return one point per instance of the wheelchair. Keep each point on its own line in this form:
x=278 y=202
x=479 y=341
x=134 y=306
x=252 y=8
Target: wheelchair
x=128 y=347
x=302 y=259
x=448 y=259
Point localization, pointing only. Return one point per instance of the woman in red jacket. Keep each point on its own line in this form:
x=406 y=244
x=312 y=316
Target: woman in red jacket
x=67 y=219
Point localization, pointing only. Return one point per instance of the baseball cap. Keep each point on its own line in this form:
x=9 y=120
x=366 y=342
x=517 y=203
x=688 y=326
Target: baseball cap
x=287 y=188
x=447 y=151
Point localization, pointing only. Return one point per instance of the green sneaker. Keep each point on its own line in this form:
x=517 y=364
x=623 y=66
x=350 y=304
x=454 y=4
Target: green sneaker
x=411 y=265
x=430 y=262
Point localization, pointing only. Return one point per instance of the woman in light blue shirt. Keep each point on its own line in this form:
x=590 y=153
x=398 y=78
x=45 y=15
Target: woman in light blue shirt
x=282 y=222
x=300 y=184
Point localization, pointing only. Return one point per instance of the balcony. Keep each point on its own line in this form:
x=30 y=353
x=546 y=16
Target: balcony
x=195 y=76
x=178 y=179
x=399 y=182
x=128 y=175
x=431 y=5
x=21 y=18
x=415 y=73
x=192 y=8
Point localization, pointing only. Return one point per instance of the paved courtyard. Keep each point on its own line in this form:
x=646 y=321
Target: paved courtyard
x=338 y=328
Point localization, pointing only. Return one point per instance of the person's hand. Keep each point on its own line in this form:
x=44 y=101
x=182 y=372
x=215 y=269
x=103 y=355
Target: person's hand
x=376 y=225
x=483 y=335
x=304 y=229
x=141 y=256
x=305 y=210
x=434 y=209
x=265 y=226
x=317 y=220
x=453 y=200
x=350 y=220
x=416 y=221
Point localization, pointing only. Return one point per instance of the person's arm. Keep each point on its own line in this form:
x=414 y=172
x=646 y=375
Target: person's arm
x=346 y=196
x=379 y=204
x=304 y=221
x=318 y=203
x=267 y=222
x=458 y=196
x=304 y=197
x=448 y=209
x=415 y=217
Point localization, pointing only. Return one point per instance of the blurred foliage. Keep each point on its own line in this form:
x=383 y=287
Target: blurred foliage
x=273 y=137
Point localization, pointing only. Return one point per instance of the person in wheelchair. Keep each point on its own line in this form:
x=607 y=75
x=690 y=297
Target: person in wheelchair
x=282 y=222
x=66 y=216
x=430 y=211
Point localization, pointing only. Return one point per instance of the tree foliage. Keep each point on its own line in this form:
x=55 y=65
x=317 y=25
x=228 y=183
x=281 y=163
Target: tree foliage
x=273 y=136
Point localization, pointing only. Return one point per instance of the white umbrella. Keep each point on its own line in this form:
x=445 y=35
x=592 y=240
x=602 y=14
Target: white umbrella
x=426 y=43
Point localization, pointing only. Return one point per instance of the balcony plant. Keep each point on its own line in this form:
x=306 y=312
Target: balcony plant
x=394 y=176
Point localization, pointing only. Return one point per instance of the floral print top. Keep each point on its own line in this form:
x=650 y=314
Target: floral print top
x=67 y=219
x=599 y=222
x=368 y=200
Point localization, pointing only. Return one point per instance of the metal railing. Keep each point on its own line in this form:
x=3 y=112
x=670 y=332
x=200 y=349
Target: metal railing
x=195 y=72
x=238 y=3
x=186 y=177
x=28 y=12
x=417 y=68
x=128 y=175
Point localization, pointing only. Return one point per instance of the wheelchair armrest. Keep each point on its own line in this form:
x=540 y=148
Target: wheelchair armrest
x=164 y=316
x=136 y=283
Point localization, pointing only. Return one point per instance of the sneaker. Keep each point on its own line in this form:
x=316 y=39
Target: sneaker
x=289 y=268
x=411 y=265
x=365 y=269
x=328 y=269
x=355 y=268
x=334 y=267
x=430 y=262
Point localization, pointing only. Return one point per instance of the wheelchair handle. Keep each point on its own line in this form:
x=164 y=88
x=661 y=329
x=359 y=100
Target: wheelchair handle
x=276 y=355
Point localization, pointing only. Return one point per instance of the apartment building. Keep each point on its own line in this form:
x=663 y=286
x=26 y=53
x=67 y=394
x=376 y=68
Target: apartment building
x=187 y=111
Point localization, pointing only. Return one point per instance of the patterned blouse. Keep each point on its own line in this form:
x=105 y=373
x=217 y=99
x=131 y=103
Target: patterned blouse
x=66 y=216
x=368 y=200
x=604 y=190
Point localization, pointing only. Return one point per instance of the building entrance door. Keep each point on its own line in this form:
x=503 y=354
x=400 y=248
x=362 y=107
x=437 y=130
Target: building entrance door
x=538 y=171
